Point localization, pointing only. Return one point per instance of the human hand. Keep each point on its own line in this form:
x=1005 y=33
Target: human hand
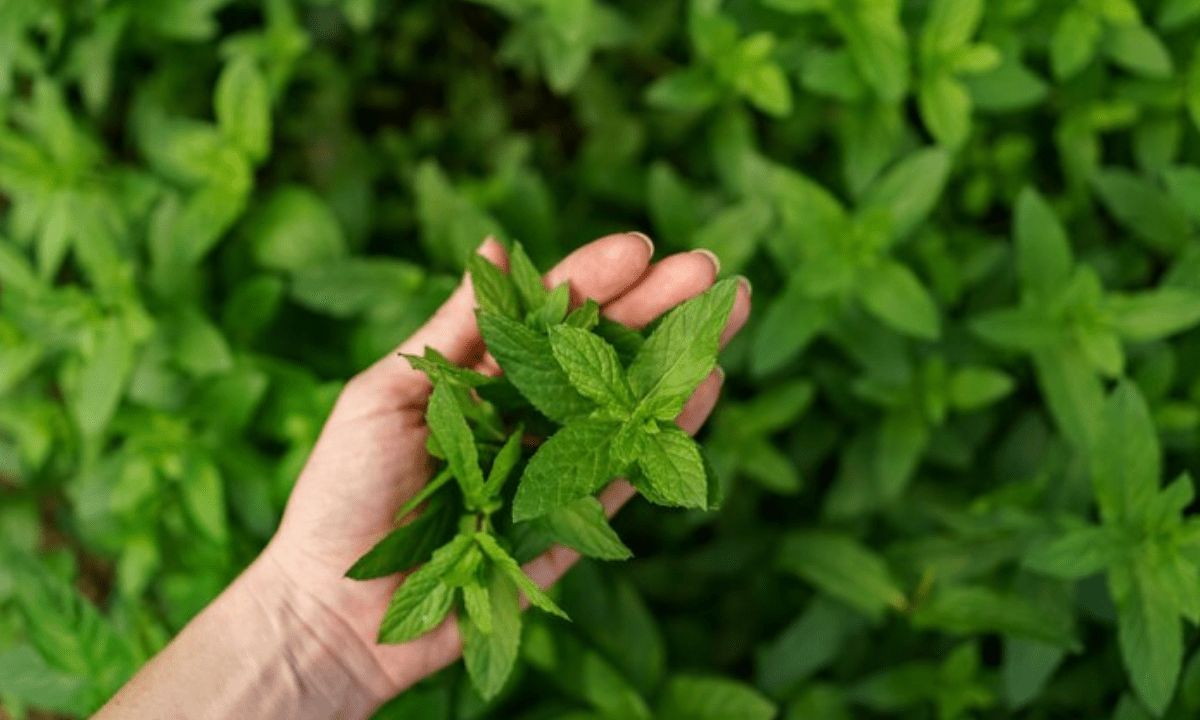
x=371 y=456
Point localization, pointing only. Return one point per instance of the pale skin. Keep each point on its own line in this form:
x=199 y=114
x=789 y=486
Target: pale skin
x=292 y=637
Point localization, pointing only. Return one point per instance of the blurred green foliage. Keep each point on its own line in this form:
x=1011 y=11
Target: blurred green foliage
x=971 y=228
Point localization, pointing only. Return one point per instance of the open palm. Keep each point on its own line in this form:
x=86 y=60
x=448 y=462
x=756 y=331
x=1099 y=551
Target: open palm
x=371 y=456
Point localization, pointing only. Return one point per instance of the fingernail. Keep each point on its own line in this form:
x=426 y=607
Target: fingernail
x=644 y=238
x=720 y=373
x=712 y=257
x=486 y=240
x=745 y=282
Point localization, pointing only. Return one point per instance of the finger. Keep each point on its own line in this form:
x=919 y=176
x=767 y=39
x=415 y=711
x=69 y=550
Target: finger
x=668 y=283
x=740 y=313
x=452 y=331
x=604 y=268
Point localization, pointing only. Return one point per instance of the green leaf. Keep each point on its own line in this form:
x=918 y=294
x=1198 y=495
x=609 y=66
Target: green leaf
x=15 y=271
x=809 y=643
x=690 y=90
x=197 y=346
x=1081 y=552
x=554 y=310
x=423 y=600
x=946 y=109
x=69 y=633
x=1151 y=642
x=491 y=656
x=528 y=362
x=766 y=86
x=975 y=610
x=437 y=367
x=762 y=462
x=877 y=42
x=972 y=388
x=449 y=427
x=1028 y=666
x=1175 y=14
x=592 y=366
x=353 y=286
x=1183 y=185
x=1076 y=41
x=526 y=278
x=102 y=379
x=295 y=229
x=911 y=189
x=509 y=567
x=582 y=672
x=583 y=526
x=843 y=569
x=627 y=341
x=25 y=675
x=252 y=305
x=1009 y=87
x=1073 y=393
x=1126 y=461
x=203 y=492
x=1144 y=210
x=673 y=470
x=452 y=225
x=478 y=604
x=712 y=698
x=408 y=545
x=733 y=234
x=494 y=290
x=951 y=24
x=1154 y=315
x=791 y=321
x=506 y=460
x=1137 y=49
x=1017 y=329
x=775 y=408
x=894 y=294
x=809 y=214
x=670 y=204
x=903 y=438
x=1102 y=347
x=1044 y=257
x=574 y=463
x=585 y=317
x=832 y=73
x=243 y=107
x=682 y=351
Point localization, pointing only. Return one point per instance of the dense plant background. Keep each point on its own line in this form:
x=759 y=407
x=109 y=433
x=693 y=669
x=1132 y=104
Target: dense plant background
x=971 y=228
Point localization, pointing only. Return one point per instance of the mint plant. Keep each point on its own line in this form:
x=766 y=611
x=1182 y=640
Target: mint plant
x=915 y=421
x=613 y=419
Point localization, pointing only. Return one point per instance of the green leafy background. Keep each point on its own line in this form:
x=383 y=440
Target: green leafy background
x=958 y=428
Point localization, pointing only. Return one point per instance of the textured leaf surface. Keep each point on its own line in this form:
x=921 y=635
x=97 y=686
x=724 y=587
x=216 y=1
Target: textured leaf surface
x=592 y=366
x=490 y=656
x=528 y=362
x=423 y=600
x=673 y=470
x=683 y=349
x=574 y=463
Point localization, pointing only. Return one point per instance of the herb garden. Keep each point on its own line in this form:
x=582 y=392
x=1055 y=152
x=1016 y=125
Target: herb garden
x=950 y=476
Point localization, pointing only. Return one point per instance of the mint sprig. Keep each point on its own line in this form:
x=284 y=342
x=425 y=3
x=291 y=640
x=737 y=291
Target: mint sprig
x=608 y=395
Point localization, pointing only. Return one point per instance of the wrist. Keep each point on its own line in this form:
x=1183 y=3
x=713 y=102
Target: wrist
x=321 y=652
